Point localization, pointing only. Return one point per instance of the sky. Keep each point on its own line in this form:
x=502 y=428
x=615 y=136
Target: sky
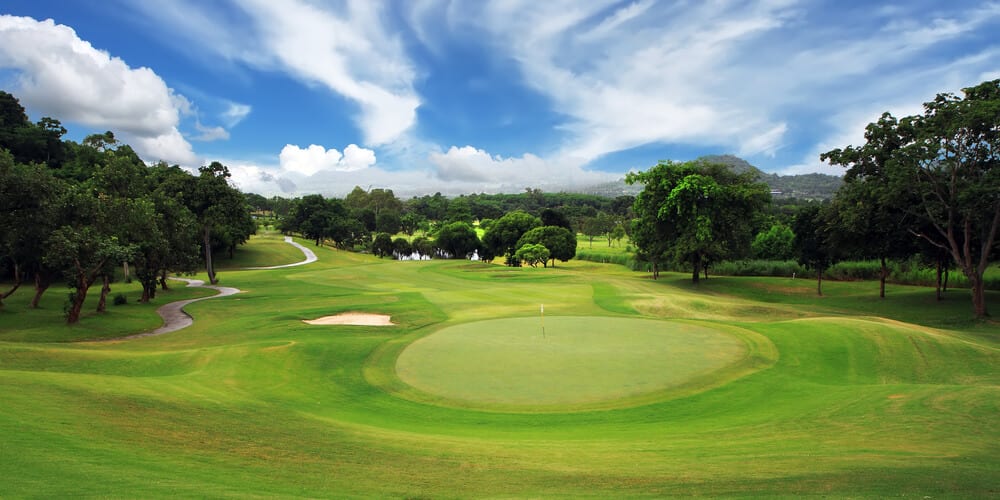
x=420 y=96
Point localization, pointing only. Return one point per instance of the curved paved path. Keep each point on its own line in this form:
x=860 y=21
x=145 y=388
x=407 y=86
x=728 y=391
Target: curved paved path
x=174 y=317
x=310 y=256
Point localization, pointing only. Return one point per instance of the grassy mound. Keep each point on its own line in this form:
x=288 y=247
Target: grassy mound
x=576 y=362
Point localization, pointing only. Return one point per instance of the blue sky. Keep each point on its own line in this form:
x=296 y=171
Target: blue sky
x=419 y=96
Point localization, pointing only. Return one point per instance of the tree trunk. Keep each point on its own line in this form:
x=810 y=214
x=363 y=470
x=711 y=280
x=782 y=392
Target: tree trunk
x=163 y=280
x=80 y=295
x=819 y=282
x=125 y=272
x=884 y=273
x=937 y=292
x=656 y=270
x=17 y=284
x=978 y=286
x=102 y=303
x=43 y=280
x=944 y=288
x=209 y=268
x=696 y=265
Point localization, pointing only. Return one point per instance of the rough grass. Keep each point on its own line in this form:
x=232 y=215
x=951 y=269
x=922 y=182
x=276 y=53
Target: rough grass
x=852 y=396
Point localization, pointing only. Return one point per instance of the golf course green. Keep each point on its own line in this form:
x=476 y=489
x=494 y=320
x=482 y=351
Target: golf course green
x=737 y=387
x=564 y=361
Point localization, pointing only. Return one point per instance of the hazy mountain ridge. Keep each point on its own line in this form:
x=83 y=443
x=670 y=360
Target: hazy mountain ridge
x=811 y=186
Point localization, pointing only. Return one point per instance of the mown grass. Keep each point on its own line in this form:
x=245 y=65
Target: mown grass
x=854 y=396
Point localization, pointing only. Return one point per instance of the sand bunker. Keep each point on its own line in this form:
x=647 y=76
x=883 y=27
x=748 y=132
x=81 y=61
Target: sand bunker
x=357 y=319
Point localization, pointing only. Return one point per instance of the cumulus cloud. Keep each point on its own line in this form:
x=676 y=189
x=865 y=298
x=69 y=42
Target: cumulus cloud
x=478 y=168
x=347 y=48
x=316 y=158
x=60 y=75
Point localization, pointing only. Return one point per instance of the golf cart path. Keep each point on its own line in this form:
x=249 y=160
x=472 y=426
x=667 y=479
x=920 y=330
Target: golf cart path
x=310 y=257
x=173 y=314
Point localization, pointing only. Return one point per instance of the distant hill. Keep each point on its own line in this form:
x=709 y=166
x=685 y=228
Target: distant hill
x=807 y=186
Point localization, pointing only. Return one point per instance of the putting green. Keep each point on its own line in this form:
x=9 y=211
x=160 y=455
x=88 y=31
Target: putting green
x=578 y=362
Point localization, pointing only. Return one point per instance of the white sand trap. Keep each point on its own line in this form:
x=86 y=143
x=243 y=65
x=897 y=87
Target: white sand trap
x=357 y=319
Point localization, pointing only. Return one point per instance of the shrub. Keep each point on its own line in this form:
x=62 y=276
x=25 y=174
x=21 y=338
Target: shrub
x=120 y=299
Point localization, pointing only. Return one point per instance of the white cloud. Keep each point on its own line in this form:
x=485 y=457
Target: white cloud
x=316 y=158
x=347 y=49
x=66 y=77
x=749 y=76
x=235 y=113
x=479 y=169
x=210 y=133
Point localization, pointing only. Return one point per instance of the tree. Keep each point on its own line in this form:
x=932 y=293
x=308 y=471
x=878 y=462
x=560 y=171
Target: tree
x=382 y=245
x=532 y=254
x=217 y=206
x=812 y=234
x=311 y=216
x=459 y=210
x=696 y=212
x=948 y=159
x=600 y=225
x=617 y=234
x=171 y=244
x=411 y=222
x=777 y=243
x=388 y=222
x=85 y=245
x=423 y=246
x=28 y=199
x=871 y=216
x=458 y=239
x=553 y=217
x=502 y=237
x=558 y=241
x=954 y=167
x=401 y=247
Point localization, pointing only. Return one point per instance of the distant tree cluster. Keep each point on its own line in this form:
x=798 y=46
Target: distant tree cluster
x=77 y=211
x=442 y=227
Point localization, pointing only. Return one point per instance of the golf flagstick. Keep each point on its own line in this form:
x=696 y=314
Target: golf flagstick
x=543 y=321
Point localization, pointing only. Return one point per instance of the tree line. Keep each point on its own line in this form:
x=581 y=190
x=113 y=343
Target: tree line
x=926 y=185
x=75 y=212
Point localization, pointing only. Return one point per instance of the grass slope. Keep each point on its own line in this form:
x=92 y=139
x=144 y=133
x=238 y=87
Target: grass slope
x=848 y=395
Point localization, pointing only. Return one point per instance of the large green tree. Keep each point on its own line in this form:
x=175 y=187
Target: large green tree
x=696 y=212
x=503 y=235
x=870 y=215
x=87 y=242
x=954 y=166
x=947 y=162
x=28 y=201
x=219 y=208
x=559 y=241
x=457 y=239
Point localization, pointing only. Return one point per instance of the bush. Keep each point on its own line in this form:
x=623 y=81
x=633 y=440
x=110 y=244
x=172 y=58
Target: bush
x=120 y=299
x=757 y=267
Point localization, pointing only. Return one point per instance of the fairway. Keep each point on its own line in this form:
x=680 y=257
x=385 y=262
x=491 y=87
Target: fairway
x=741 y=387
x=577 y=360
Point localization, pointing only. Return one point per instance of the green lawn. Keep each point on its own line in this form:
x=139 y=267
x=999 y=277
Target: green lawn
x=841 y=396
